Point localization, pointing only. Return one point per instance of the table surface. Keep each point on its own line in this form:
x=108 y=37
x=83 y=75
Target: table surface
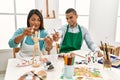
x=13 y=72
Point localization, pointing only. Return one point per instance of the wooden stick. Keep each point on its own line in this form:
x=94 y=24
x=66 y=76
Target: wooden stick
x=106 y=50
x=54 y=30
x=53 y=13
x=79 y=55
x=36 y=75
x=33 y=57
x=102 y=47
x=57 y=47
x=47 y=11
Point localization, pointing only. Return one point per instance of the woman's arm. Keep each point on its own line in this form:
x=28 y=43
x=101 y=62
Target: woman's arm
x=12 y=42
x=26 y=32
x=19 y=36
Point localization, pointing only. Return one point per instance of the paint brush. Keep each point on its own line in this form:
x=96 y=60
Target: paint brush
x=54 y=30
x=36 y=75
x=102 y=47
x=106 y=51
x=79 y=55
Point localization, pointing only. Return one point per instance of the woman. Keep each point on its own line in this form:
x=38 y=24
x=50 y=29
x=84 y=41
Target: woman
x=23 y=35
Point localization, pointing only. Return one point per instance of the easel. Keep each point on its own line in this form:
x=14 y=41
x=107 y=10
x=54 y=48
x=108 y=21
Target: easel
x=47 y=12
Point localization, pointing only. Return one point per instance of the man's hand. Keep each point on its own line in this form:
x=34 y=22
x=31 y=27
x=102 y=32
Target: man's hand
x=100 y=54
x=48 y=42
x=56 y=36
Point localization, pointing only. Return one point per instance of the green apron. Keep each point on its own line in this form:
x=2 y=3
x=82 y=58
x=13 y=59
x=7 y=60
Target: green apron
x=71 y=41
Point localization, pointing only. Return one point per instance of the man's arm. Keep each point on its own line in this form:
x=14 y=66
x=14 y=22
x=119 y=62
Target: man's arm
x=91 y=45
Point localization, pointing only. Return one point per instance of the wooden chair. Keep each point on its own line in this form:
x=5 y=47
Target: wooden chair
x=57 y=47
x=15 y=50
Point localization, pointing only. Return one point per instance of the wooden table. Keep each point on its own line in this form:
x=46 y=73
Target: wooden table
x=13 y=72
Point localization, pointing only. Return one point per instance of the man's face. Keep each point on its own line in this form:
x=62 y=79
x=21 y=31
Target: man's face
x=71 y=19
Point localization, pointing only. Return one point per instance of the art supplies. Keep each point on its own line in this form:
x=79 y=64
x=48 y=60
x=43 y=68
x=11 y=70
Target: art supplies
x=69 y=59
x=114 y=60
x=32 y=75
x=88 y=73
x=68 y=70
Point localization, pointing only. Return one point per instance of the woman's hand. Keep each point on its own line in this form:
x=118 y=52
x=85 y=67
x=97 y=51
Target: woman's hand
x=48 y=42
x=28 y=31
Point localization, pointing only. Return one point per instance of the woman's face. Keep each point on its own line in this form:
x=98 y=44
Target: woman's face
x=35 y=21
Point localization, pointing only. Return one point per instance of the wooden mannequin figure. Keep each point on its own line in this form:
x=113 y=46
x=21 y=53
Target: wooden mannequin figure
x=36 y=41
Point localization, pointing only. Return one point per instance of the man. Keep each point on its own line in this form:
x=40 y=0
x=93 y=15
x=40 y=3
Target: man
x=73 y=34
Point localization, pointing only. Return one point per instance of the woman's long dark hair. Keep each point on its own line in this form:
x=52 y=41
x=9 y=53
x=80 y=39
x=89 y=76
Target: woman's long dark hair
x=37 y=12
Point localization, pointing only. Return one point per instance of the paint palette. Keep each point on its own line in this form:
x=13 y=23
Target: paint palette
x=88 y=73
x=23 y=62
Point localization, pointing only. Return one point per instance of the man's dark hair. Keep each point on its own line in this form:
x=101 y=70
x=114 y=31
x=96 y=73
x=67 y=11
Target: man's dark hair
x=71 y=10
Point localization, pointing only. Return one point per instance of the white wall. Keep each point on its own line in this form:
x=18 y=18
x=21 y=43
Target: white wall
x=103 y=17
